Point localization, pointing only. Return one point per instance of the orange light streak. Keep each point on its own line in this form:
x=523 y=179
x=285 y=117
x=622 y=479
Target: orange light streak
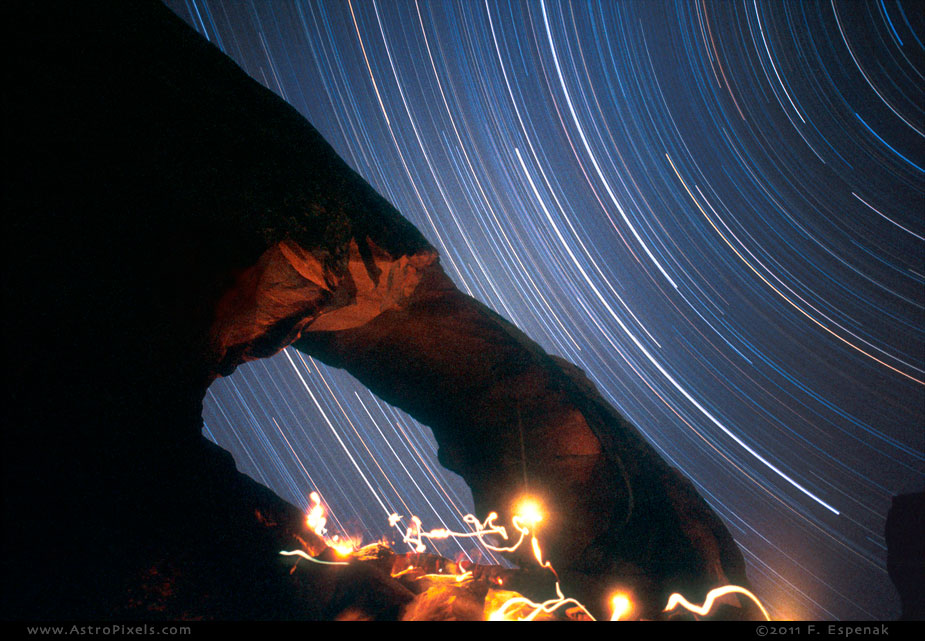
x=317 y=520
x=537 y=608
x=414 y=535
x=529 y=514
x=308 y=557
x=676 y=599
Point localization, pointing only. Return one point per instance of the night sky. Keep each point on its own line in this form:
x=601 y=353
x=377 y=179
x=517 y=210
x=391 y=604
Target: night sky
x=715 y=209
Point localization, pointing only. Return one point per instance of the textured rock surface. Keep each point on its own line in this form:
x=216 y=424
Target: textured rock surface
x=169 y=220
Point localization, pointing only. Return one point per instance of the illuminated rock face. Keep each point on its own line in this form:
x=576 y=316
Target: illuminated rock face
x=615 y=514
x=290 y=290
x=172 y=220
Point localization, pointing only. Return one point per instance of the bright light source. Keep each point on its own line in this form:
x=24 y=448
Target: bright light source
x=528 y=511
x=621 y=605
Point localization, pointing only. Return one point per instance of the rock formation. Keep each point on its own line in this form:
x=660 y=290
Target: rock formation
x=905 y=562
x=170 y=219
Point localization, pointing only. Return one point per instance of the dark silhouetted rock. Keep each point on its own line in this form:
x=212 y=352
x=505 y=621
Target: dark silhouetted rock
x=167 y=220
x=905 y=561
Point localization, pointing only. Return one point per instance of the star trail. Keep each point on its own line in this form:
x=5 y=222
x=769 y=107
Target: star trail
x=715 y=209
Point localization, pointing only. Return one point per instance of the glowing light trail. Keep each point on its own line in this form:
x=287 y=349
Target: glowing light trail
x=676 y=599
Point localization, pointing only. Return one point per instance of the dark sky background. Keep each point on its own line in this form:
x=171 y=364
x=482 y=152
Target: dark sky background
x=713 y=208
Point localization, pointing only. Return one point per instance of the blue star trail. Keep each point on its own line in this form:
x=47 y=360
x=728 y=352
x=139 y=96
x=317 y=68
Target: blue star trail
x=715 y=209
